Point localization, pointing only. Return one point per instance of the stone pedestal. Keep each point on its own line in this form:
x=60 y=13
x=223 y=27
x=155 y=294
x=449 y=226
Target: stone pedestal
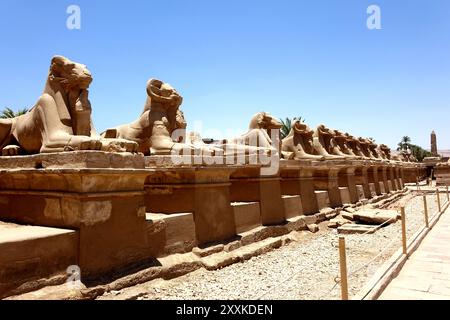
x=399 y=175
x=392 y=178
x=373 y=178
x=326 y=179
x=200 y=189
x=297 y=179
x=408 y=174
x=292 y=206
x=83 y=191
x=384 y=179
x=247 y=184
x=442 y=173
x=347 y=179
x=362 y=178
x=247 y=216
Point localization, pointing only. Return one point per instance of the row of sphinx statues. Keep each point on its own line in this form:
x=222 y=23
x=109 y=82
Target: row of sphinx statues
x=61 y=121
x=325 y=143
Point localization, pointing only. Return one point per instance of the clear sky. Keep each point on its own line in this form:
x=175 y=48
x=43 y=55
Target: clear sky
x=230 y=59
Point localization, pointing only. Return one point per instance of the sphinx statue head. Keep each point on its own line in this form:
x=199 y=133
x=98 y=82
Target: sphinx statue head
x=299 y=143
x=265 y=121
x=342 y=141
x=355 y=145
x=161 y=127
x=364 y=146
x=374 y=150
x=325 y=145
x=162 y=96
x=384 y=151
x=262 y=137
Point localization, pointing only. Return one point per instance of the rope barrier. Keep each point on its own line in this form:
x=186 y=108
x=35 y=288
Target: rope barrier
x=415 y=227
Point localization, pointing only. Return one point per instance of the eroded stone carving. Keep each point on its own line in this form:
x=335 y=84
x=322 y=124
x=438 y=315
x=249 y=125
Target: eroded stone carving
x=342 y=141
x=259 y=137
x=160 y=130
x=364 y=145
x=385 y=151
x=355 y=145
x=325 y=145
x=299 y=144
x=374 y=150
x=61 y=119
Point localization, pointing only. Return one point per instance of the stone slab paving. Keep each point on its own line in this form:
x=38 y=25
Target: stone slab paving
x=426 y=274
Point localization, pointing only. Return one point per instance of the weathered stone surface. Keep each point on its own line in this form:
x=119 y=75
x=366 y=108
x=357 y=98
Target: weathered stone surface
x=357 y=228
x=313 y=228
x=333 y=224
x=310 y=219
x=360 y=190
x=375 y=216
x=350 y=210
x=29 y=254
x=296 y=224
x=323 y=201
x=347 y=215
x=292 y=206
x=178 y=232
x=246 y=215
x=345 y=195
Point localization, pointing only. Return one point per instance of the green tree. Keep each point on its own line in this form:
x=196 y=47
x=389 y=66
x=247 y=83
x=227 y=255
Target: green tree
x=419 y=152
x=8 y=113
x=287 y=125
x=404 y=144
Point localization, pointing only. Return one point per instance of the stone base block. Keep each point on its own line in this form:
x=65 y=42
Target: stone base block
x=292 y=206
x=345 y=195
x=323 y=201
x=382 y=188
x=360 y=190
x=390 y=186
x=246 y=215
x=171 y=233
x=372 y=189
x=29 y=254
x=357 y=228
x=443 y=180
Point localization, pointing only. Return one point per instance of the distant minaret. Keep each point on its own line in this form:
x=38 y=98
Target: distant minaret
x=434 y=151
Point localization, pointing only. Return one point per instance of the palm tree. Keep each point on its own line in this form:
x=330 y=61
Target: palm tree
x=287 y=125
x=8 y=113
x=404 y=144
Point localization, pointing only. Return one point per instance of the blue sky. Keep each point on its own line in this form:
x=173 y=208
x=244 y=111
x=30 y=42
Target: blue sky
x=231 y=59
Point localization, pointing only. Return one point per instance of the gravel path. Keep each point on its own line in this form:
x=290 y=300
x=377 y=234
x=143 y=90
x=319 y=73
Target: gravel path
x=301 y=270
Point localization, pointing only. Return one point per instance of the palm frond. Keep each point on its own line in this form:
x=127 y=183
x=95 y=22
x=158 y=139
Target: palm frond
x=9 y=113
